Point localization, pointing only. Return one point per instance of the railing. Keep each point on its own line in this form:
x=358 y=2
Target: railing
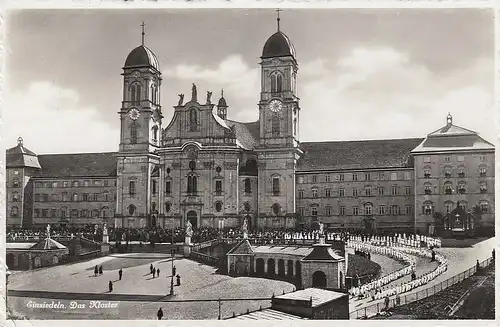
x=204 y=258
x=397 y=301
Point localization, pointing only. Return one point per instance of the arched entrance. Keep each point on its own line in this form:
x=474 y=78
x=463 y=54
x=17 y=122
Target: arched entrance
x=192 y=217
x=319 y=279
x=290 y=268
x=260 y=267
x=10 y=260
x=281 y=267
x=271 y=269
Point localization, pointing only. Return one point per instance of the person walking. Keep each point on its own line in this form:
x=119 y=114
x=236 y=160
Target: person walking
x=151 y=269
x=158 y=272
x=120 y=273
x=477 y=266
x=110 y=285
x=160 y=314
x=100 y=270
x=178 y=280
x=174 y=271
x=96 y=270
x=154 y=272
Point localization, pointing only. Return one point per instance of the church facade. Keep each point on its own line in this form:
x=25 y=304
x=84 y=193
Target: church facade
x=212 y=171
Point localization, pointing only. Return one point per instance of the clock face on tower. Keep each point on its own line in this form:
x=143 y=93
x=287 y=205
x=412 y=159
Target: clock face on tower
x=275 y=105
x=134 y=114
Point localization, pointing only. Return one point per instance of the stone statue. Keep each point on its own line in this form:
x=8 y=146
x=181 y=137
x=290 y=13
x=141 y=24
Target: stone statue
x=181 y=99
x=194 y=93
x=321 y=228
x=48 y=230
x=105 y=230
x=245 y=225
x=209 y=97
x=189 y=229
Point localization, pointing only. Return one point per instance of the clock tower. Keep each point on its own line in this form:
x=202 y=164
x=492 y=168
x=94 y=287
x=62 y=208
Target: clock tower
x=278 y=150
x=140 y=133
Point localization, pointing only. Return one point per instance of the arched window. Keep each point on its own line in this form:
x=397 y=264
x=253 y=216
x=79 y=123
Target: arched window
x=427 y=172
x=273 y=82
x=447 y=172
x=314 y=192
x=482 y=171
x=192 y=165
x=154 y=94
x=428 y=208
x=168 y=206
x=155 y=133
x=14 y=211
x=314 y=210
x=275 y=125
x=135 y=93
x=483 y=187
x=484 y=207
x=248 y=186
x=295 y=126
x=105 y=195
x=192 y=186
x=427 y=188
x=64 y=212
x=153 y=206
x=448 y=188
x=154 y=187
x=279 y=83
x=247 y=206
x=193 y=120
x=105 y=212
x=368 y=209
x=131 y=209
x=276 y=185
x=463 y=205
x=133 y=133
x=462 y=187
x=75 y=197
x=448 y=206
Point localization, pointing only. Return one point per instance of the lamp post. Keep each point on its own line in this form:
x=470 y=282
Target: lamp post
x=172 y=252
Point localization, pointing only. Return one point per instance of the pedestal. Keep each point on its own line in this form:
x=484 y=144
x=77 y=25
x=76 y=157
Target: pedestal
x=105 y=239
x=105 y=248
x=187 y=246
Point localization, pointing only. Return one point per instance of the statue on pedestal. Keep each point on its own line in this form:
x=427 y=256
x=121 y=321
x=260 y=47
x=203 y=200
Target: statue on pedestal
x=321 y=229
x=194 y=93
x=209 y=97
x=105 y=230
x=189 y=229
x=48 y=230
x=245 y=228
x=181 y=99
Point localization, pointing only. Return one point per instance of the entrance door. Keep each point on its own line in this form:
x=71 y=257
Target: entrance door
x=319 y=279
x=192 y=217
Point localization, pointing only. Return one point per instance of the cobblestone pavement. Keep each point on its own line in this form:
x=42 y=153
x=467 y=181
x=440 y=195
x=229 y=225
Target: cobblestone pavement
x=198 y=282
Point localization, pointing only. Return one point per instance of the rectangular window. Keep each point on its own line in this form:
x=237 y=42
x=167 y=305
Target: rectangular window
x=381 y=176
x=328 y=193
x=354 y=192
x=380 y=190
x=45 y=213
x=218 y=187
x=328 y=211
x=45 y=198
x=65 y=184
x=106 y=183
x=407 y=175
x=276 y=185
x=394 y=190
x=75 y=184
x=482 y=157
x=460 y=158
x=301 y=194
x=395 y=210
x=37 y=197
x=408 y=210
x=314 y=211
x=447 y=159
x=85 y=197
x=427 y=159
x=327 y=178
x=168 y=187
x=314 y=178
x=341 y=211
x=341 y=177
x=74 y=213
x=36 y=213
x=248 y=186
x=355 y=177
x=381 y=210
x=367 y=176
x=54 y=198
x=341 y=193
x=315 y=193
x=97 y=183
x=302 y=211
x=408 y=190
x=53 y=212
x=95 y=196
x=355 y=211
x=54 y=184
x=65 y=196
x=394 y=176
x=368 y=191
x=131 y=189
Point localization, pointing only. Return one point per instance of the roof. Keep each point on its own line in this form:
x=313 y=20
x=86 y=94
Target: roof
x=319 y=296
x=243 y=247
x=292 y=250
x=267 y=314
x=222 y=102
x=278 y=45
x=248 y=134
x=20 y=156
x=48 y=244
x=323 y=252
x=19 y=246
x=78 y=165
x=142 y=56
x=356 y=154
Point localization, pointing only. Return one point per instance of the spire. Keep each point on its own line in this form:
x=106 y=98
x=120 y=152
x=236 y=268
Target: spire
x=143 y=34
x=278 y=20
x=221 y=93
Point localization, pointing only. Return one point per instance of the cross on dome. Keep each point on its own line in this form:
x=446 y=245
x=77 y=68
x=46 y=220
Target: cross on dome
x=278 y=19
x=143 y=33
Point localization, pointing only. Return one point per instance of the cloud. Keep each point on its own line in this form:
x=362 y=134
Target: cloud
x=232 y=73
x=379 y=92
x=51 y=119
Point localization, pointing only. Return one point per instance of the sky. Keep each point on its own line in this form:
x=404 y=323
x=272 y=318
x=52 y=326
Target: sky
x=363 y=73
